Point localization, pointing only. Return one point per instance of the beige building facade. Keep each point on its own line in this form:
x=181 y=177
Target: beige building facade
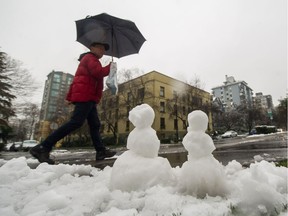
x=172 y=100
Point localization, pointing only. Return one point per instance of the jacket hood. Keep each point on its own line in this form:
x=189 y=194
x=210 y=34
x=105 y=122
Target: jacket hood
x=82 y=55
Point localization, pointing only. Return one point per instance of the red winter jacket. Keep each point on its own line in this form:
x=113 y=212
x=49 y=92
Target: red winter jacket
x=87 y=84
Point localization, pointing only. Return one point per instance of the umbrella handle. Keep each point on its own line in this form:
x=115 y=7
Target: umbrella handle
x=112 y=42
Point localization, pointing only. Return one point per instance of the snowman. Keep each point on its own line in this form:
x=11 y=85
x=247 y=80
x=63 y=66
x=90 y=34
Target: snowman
x=143 y=139
x=201 y=174
x=140 y=167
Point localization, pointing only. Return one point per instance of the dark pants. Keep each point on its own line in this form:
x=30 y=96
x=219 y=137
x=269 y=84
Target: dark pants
x=82 y=111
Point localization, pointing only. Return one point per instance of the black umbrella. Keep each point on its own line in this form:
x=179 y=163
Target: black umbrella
x=123 y=36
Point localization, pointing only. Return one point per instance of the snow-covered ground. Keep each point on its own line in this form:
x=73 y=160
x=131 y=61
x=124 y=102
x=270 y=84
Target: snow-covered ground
x=83 y=190
x=141 y=183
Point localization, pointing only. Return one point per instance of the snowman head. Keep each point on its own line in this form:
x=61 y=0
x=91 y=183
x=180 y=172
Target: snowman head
x=198 y=121
x=142 y=116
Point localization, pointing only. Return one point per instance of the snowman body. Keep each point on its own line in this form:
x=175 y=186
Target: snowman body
x=201 y=174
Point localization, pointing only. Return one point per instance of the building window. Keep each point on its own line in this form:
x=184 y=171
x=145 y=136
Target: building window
x=141 y=94
x=162 y=123
x=70 y=80
x=175 y=109
x=175 y=124
x=55 y=86
x=116 y=126
x=162 y=91
x=127 y=111
x=162 y=107
x=127 y=125
x=57 y=78
x=52 y=108
x=54 y=93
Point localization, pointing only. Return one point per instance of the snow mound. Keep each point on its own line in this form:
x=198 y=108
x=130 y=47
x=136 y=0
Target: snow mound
x=132 y=172
x=78 y=190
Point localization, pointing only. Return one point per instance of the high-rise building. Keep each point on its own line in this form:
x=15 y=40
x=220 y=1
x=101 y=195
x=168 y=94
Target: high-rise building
x=171 y=100
x=233 y=93
x=264 y=102
x=53 y=106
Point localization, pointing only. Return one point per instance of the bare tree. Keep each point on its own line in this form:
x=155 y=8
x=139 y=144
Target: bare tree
x=252 y=116
x=23 y=84
x=196 y=82
x=186 y=98
x=125 y=75
x=133 y=95
x=229 y=120
x=31 y=112
x=24 y=127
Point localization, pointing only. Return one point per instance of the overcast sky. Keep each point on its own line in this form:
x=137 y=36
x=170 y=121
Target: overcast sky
x=246 y=39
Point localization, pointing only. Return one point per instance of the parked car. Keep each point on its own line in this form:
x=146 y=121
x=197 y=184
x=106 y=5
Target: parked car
x=215 y=135
x=27 y=144
x=229 y=134
x=14 y=146
x=8 y=146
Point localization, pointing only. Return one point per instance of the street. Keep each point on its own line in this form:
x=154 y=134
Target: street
x=272 y=147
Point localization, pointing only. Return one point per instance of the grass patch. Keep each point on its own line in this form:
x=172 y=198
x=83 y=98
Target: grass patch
x=282 y=163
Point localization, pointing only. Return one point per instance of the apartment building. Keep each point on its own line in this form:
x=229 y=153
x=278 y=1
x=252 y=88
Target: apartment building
x=265 y=102
x=233 y=93
x=171 y=99
x=53 y=107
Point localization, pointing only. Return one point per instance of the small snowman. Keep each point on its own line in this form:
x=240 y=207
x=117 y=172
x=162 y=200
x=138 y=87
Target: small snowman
x=143 y=139
x=197 y=142
x=202 y=174
x=140 y=167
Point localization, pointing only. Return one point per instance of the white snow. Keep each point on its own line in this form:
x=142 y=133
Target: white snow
x=144 y=184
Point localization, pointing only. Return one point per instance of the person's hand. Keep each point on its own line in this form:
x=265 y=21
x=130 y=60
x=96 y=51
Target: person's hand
x=113 y=66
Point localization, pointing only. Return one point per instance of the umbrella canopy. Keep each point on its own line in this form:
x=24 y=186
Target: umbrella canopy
x=123 y=36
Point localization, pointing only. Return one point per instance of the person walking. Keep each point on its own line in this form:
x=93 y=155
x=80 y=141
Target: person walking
x=85 y=93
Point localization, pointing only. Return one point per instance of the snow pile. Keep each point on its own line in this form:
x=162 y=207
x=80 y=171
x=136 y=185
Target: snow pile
x=78 y=190
x=143 y=184
x=261 y=189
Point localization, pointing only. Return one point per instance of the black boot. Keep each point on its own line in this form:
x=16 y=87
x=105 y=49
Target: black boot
x=41 y=154
x=105 y=153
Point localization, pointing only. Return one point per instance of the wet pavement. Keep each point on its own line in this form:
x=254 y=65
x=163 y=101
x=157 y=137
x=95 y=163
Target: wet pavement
x=243 y=149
